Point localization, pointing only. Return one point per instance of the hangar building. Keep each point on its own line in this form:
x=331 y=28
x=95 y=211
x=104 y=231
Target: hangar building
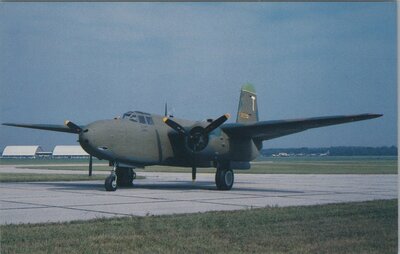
x=69 y=152
x=21 y=151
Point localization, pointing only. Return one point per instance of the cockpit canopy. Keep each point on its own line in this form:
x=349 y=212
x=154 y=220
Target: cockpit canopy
x=137 y=116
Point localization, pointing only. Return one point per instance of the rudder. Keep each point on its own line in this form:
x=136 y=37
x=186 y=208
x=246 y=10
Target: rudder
x=247 y=110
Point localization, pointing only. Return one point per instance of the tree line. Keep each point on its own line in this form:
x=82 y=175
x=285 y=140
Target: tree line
x=335 y=151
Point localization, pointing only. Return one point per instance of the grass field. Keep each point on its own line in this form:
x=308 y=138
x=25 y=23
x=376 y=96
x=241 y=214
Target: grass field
x=39 y=161
x=27 y=177
x=366 y=227
x=295 y=165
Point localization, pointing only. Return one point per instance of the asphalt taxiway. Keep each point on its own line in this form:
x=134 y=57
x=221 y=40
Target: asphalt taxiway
x=174 y=193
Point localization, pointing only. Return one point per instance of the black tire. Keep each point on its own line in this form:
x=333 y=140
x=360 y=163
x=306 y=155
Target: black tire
x=224 y=179
x=110 y=183
x=125 y=176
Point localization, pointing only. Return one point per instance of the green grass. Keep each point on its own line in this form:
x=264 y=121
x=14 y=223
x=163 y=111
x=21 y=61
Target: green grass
x=366 y=227
x=68 y=167
x=326 y=168
x=307 y=166
x=27 y=177
x=292 y=165
x=22 y=161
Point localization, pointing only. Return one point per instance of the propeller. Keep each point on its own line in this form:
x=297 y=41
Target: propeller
x=197 y=134
x=73 y=126
x=174 y=125
x=197 y=137
x=76 y=129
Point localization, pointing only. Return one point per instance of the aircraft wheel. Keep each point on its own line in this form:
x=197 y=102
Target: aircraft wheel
x=224 y=179
x=125 y=176
x=111 y=183
x=134 y=175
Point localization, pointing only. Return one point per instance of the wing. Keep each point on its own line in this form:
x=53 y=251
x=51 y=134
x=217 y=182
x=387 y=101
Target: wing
x=48 y=127
x=266 y=130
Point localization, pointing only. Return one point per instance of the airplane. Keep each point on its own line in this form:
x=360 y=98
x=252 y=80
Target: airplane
x=139 y=139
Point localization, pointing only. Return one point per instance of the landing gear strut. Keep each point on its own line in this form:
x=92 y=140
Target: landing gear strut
x=119 y=177
x=224 y=178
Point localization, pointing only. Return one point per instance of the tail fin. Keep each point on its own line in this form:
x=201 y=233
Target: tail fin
x=248 y=110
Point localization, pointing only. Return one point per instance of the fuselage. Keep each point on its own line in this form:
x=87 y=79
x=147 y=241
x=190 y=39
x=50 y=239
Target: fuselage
x=142 y=139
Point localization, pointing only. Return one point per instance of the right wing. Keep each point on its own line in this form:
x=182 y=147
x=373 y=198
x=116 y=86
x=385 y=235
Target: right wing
x=266 y=130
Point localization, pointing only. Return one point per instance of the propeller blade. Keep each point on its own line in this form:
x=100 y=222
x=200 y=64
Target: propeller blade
x=90 y=165
x=216 y=123
x=166 y=110
x=174 y=125
x=73 y=126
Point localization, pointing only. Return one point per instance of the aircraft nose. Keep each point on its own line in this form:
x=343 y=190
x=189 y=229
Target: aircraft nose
x=84 y=137
x=94 y=139
x=88 y=140
x=91 y=135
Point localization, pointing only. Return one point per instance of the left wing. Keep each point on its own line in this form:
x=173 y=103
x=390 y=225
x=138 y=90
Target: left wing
x=47 y=127
x=266 y=130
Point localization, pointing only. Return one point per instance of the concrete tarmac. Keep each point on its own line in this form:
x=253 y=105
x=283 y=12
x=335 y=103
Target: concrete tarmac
x=174 y=193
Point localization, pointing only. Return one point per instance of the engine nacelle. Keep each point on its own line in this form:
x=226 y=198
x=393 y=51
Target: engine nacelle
x=216 y=148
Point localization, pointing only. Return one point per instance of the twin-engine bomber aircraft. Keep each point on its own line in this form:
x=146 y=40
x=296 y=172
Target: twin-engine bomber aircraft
x=140 y=139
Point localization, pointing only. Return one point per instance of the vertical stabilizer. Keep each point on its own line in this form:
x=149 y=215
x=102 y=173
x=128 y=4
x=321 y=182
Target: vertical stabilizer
x=248 y=110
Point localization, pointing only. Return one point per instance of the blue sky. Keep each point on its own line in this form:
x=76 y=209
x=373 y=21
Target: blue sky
x=90 y=61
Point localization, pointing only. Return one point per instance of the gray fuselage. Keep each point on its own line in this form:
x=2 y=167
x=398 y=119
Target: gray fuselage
x=151 y=142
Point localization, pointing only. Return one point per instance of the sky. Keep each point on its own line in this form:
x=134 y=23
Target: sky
x=89 y=61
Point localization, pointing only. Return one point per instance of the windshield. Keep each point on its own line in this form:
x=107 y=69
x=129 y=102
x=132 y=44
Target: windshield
x=137 y=116
x=127 y=114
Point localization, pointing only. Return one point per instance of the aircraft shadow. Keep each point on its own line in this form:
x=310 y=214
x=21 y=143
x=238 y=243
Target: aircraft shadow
x=210 y=186
x=174 y=185
x=170 y=185
x=69 y=185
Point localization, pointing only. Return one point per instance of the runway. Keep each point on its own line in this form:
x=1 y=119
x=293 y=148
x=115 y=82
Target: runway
x=174 y=193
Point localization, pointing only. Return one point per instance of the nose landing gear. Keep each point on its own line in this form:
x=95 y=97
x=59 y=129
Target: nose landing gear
x=111 y=181
x=119 y=177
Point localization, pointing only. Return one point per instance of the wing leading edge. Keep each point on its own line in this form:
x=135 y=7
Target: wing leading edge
x=47 y=127
x=266 y=130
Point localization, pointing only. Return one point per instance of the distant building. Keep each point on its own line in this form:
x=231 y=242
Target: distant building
x=44 y=155
x=69 y=152
x=281 y=155
x=21 y=151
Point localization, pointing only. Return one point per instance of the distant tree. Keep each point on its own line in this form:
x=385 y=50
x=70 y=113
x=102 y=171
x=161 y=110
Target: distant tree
x=336 y=151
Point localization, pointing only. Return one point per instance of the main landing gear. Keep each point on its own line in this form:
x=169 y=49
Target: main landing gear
x=119 y=177
x=224 y=178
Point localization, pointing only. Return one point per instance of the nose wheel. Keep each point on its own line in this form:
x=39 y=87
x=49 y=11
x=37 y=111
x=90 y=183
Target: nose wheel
x=119 y=177
x=111 y=182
